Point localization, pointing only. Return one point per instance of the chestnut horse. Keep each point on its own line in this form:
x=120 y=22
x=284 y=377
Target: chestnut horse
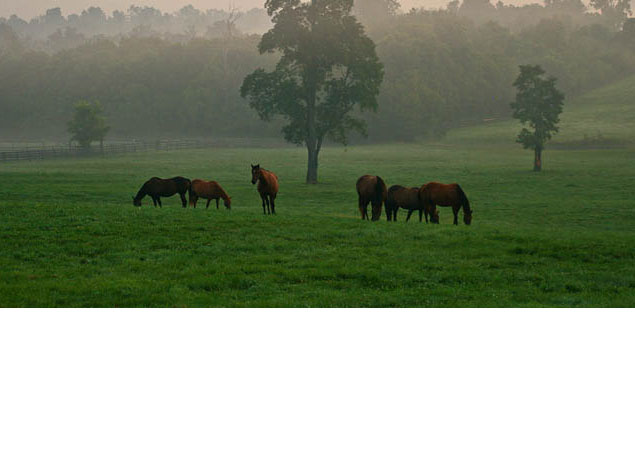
x=371 y=189
x=438 y=194
x=158 y=187
x=209 y=190
x=406 y=198
x=267 y=187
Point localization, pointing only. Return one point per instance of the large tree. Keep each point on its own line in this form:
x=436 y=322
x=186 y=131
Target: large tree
x=88 y=124
x=539 y=104
x=328 y=68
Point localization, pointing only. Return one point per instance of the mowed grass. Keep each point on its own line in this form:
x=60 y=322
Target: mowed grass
x=70 y=236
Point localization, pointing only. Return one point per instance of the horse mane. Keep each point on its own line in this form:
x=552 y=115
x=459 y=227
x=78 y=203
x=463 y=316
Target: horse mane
x=464 y=201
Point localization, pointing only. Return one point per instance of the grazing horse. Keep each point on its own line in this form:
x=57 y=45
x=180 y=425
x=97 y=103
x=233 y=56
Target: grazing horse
x=438 y=194
x=158 y=187
x=371 y=189
x=209 y=190
x=406 y=198
x=267 y=187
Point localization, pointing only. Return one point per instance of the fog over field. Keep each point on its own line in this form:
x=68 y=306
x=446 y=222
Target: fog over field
x=32 y=8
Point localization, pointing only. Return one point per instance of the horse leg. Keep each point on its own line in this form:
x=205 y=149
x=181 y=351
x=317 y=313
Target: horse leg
x=264 y=206
x=216 y=203
x=409 y=214
x=159 y=201
x=360 y=203
x=154 y=201
x=207 y=205
x=268 y=198
x=272 y=199
x=455 y=210
x=420 y=213
x=183 y=200
x=193 y=200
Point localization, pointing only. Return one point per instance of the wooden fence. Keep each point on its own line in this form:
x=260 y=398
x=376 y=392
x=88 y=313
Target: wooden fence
x=52 y=151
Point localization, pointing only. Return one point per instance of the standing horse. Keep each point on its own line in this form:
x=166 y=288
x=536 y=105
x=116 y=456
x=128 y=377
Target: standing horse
x=158 y=187
x=371 y=189
x=209 y=190
x=267 y=187
x=406 y=198
x=438 y=194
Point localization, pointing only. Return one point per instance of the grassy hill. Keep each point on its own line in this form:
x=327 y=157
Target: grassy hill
x=603 y=118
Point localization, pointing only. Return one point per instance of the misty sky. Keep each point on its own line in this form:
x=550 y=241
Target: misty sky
x=27 y=9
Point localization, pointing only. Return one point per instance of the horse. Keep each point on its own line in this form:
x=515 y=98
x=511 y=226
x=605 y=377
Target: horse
x=158 y=187
x=371 y=189
x=406 y=198
x=209 y=190
x=438 y=194
x=267 y=187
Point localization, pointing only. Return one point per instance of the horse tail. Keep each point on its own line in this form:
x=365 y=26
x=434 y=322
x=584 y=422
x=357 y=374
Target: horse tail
x=380 y=186
x=191 y=194
x=464 y=201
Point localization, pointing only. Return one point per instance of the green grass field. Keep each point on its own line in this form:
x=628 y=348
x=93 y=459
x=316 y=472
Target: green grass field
x=564 y=237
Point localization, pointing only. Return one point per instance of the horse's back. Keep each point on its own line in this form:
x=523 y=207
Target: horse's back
x=440 y=193
x=366 y=185
x=407 y=198
x=207 y=189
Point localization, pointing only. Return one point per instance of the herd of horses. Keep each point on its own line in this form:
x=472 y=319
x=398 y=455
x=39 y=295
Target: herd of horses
x=425 y=199
x=370 y=190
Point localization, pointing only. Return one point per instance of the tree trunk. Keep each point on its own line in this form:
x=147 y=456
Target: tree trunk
x=312 y=167
x=312 y=138
x=537 y=160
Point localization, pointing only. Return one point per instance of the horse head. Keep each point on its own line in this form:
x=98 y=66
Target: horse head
x=467 y=217
x=135 y=201
x=434 y=218
x=255 y=173
x=228 y=202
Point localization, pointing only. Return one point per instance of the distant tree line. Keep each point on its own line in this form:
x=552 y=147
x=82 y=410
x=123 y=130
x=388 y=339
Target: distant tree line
x=441 y=69
x=52 y=31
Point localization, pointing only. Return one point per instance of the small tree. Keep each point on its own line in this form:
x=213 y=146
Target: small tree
x=88 y=124
x=539 y=104
x=328 y=66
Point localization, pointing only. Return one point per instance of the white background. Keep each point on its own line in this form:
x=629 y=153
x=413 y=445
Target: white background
x=303 y=392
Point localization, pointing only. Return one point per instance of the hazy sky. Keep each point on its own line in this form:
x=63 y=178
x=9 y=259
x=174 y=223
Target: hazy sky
x=27 y=9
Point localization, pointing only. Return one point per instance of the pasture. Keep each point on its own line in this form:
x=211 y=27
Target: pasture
x=70 y=235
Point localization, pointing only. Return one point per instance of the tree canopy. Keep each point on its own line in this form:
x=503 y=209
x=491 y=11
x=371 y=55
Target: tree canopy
x=88 y=123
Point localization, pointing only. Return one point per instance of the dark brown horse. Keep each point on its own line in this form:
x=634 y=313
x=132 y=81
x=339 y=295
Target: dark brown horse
x=267 y=187
x=209 y=190
x=371 y=189
x=406 y=198
x=158 y=187
x=438 y=194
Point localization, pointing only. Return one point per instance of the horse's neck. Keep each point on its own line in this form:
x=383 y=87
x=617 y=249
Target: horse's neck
x=141 y=193
x=222 y=194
